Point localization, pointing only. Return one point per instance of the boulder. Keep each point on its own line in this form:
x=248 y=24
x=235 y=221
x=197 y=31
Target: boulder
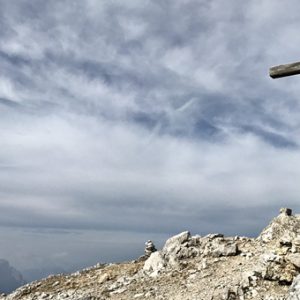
x=294 y=258
x=274 y=267
x=155 y=263
x=223 y=248
x=294 y=290
x=174 y=243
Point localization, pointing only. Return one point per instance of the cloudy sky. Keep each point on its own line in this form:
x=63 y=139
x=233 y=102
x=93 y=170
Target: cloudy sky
x=122 y=121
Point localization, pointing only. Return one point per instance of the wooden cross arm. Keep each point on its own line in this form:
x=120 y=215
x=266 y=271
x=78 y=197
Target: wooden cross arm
x=285 y=70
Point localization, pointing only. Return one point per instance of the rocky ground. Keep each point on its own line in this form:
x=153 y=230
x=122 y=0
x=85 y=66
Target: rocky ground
x=191 y=267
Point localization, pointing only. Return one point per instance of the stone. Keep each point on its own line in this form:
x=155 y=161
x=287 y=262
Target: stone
x=250 y=279
x=294 y=258
x=220 y=247
x=103 y=278
x=296 y=245
x=285 y=241
x=212 y=236
x=286 y=211
x=226 y=250
x=284 y=226
x=174 y=243
x=271 y=257
x=155 y=263
x=140 y=295
x=294 y=290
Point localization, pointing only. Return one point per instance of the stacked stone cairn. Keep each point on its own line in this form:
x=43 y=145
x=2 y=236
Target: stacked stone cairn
x=149 y=248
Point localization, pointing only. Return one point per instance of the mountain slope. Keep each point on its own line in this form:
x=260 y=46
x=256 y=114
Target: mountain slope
x=192 y=267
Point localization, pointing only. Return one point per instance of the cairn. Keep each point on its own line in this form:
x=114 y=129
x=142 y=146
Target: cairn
x=149 y=248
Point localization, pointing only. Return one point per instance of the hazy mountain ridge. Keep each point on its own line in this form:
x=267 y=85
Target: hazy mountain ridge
x=212 y=267
x=10 y=278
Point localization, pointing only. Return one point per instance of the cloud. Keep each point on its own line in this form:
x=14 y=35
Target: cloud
x=136 y=119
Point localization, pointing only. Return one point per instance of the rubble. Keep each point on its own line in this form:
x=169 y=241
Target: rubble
x=212 y=267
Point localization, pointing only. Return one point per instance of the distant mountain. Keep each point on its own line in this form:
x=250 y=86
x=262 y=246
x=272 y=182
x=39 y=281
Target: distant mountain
x=10 y=278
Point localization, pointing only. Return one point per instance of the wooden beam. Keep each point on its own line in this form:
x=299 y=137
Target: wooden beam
x=285 y=70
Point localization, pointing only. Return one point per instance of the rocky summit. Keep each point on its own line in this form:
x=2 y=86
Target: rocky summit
x=211 y=267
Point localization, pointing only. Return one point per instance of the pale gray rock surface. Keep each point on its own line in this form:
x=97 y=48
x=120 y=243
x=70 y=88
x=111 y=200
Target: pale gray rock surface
x=155 y=263
x=294 y=292
x=294 y=258
x=285 y=226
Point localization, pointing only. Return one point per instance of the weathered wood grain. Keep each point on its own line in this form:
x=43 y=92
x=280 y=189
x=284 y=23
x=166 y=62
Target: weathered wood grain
x=285 y=70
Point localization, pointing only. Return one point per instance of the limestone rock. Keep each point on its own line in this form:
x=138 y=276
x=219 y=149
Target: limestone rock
x=224 y=248
x=294 y=259
x=285 y=226
x=155 y=263
x=174 y=243
x=294 y=291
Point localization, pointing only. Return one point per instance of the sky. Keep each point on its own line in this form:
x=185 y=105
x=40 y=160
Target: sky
x=123 y=121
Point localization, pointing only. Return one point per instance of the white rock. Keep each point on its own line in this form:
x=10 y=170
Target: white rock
x=294 y=291
x=294 y=259
x=173 y=243
x=103 y=278
x=155 y=262
x=138 y=295
x=271 y=257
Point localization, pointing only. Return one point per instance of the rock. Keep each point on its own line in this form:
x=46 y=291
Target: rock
x=286 y=211
x=285 y=226
x=103 y=278
x=285 y=241
x=223 y=248
x=294 y=291
x=250 y=279
x=225 y=294
x=296 y=245
x=212 y=236
x=44 y=296
x=155 y=263
x=140 y=295
x=275 y=268
x=271 y=257
x=178 y=248
x=174 y=243
x=294 y=259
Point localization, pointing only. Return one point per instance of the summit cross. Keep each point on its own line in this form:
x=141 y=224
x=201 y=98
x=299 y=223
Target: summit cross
x=285 y=70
